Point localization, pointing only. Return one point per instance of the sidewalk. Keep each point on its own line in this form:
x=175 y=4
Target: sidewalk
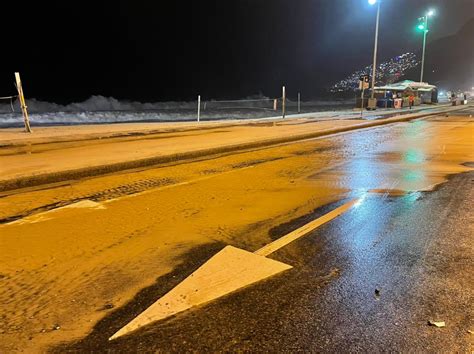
x=17 y=136
x=61 y=153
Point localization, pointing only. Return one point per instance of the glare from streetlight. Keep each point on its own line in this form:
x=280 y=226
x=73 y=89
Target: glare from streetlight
x=430 y=13
x=372 y=2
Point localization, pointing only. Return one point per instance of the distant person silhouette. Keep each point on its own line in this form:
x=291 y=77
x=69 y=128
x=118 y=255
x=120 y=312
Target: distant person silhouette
x=411 y=100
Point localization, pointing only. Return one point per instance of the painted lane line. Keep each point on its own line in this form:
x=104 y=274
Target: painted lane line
x=162 y=188
x=227 y=271
x=302 y=231
x=179 y=184
x=86 y=203
x=49 y=214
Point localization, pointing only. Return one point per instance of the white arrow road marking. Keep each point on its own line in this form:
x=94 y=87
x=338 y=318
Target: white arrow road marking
x=227 y=271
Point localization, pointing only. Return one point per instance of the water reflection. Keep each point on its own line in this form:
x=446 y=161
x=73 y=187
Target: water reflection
x=414 y=129
x=411 y=177
x=414 y=156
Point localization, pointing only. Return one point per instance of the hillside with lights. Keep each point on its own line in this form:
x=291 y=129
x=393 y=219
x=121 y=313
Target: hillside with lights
x=388 y=72
x=449 y=64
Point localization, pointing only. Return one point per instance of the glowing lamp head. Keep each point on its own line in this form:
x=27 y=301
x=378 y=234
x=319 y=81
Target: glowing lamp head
x=372 y=2
x=421 y=27
x=430 y=13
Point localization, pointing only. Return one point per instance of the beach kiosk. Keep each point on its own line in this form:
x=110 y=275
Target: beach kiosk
x=397 y=95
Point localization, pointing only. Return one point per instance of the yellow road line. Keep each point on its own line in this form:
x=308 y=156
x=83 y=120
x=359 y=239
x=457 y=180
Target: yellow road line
x=292 y=236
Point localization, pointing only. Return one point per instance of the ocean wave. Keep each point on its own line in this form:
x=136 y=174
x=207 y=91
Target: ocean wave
x=100 y=109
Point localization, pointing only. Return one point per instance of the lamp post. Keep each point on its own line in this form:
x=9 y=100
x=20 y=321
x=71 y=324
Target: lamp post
x=374 y=65
x=424 y=28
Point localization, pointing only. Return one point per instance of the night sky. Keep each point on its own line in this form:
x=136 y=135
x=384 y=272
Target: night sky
x=173 y=50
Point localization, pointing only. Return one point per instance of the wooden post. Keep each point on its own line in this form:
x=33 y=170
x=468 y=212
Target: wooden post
x=199 y=108
x=299 y=103
x=24 y=109
x=283 y=105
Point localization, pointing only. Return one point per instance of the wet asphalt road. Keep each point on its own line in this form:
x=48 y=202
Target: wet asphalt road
x=369 y=280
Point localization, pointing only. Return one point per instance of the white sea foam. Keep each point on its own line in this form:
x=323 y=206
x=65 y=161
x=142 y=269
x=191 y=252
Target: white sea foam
x=99 y=109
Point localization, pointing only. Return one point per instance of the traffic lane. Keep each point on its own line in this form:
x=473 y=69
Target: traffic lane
x=407 y=143
x=415 y=250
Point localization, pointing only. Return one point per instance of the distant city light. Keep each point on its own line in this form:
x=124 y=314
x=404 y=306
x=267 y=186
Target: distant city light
x=387 y=72
x=372 y=2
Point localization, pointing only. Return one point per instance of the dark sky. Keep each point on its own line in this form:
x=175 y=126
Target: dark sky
x=173 y=50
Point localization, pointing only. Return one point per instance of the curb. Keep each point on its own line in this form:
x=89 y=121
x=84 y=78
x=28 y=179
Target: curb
x=54 y=177
x=187 y=127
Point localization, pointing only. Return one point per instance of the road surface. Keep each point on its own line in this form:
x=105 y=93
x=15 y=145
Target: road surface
x=81 y=260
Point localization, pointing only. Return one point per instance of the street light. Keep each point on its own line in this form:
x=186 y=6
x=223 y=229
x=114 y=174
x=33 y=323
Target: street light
x=374 y=67
x=424 y=27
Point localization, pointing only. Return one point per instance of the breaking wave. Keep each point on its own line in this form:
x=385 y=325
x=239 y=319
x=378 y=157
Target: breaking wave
x=100 y=109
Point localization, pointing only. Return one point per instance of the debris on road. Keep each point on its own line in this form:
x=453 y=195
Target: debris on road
x=377 y=294
x=439 y=324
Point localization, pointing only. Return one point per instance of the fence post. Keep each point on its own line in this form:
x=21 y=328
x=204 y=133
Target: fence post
x=283 y=105
x=299 y=103
x=21 y=97
x=199 y=108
